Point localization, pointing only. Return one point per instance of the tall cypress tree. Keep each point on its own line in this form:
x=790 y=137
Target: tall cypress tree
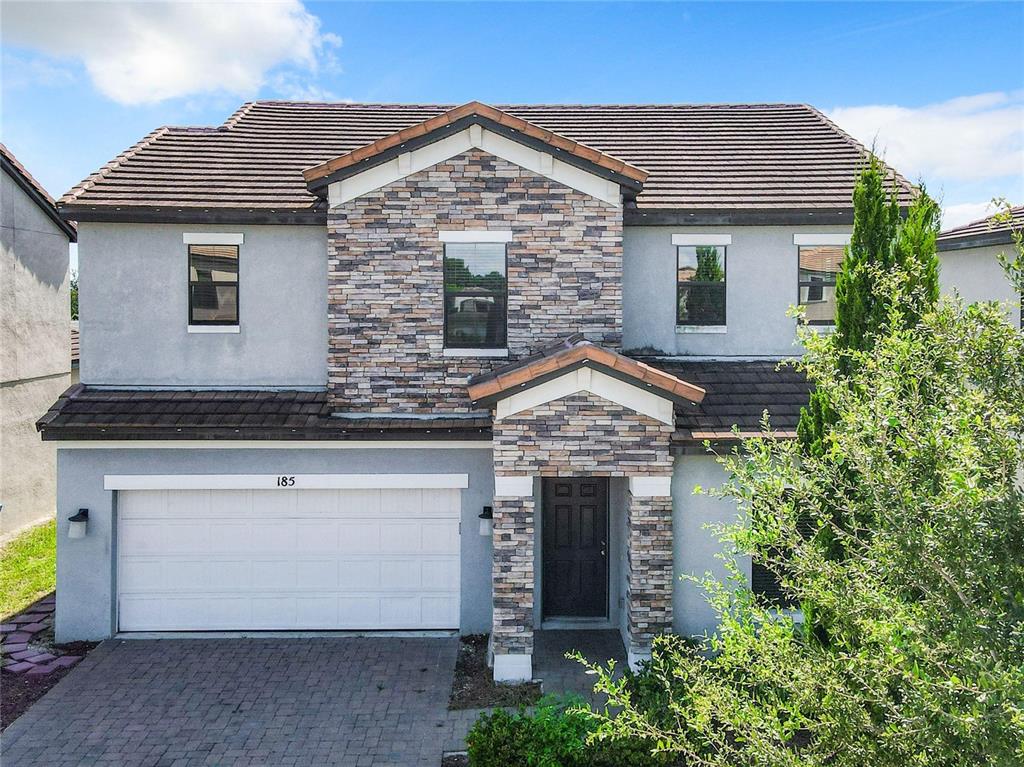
x=881 y=241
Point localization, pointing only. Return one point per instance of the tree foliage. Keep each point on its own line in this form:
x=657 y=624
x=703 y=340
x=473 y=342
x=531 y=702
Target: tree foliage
x=882 y=244
x=911 y=647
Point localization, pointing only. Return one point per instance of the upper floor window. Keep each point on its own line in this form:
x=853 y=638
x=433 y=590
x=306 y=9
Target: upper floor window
x=212 y=285
x=700 y=285
x=819 y=265
x=475 y=295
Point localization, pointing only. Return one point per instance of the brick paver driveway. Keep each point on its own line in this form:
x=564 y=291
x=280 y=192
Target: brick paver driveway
x=182 y=702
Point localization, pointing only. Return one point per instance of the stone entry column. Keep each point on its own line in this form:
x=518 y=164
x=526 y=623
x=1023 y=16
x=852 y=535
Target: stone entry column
x=650 y=564
x=512 y=579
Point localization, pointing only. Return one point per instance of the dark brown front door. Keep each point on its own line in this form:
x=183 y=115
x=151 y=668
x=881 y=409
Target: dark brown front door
x=575 y=547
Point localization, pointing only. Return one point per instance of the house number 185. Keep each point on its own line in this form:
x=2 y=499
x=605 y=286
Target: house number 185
x=285 y=481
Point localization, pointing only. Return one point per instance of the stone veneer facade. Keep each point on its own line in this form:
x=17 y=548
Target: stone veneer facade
x=581 y=435
x=385 y=288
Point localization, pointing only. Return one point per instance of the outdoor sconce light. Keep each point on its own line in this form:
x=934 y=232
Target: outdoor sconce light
x=485 y=521
x=79 y=524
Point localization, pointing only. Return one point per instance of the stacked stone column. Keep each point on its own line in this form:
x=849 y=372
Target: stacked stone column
x=649 y=559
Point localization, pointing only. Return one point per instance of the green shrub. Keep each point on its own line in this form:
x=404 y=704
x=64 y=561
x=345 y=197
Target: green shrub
x=554 y=735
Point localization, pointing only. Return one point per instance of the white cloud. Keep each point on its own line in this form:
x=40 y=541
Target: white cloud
x=965 y=213
x=965 y=139
x=138 y=53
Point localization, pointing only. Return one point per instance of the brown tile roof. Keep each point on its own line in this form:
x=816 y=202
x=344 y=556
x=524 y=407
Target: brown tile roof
x=569 y=354
x=87 y=413
x=984 y=231
x=714 y=159
x=35 y=190
x=476 y=109
x=737 y=394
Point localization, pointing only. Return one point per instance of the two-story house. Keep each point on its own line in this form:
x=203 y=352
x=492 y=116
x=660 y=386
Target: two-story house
x=364 y=367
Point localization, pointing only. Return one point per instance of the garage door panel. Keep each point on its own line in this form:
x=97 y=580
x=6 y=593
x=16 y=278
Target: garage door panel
x=317 y=574
x=287 y=559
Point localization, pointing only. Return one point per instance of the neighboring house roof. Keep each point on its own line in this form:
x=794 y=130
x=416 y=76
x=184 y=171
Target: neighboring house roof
x=706 y=163
x=474 y=113
x=74 y=343
x=984 y=231
x=35 y=191
x=738 y=393
x=572 y=353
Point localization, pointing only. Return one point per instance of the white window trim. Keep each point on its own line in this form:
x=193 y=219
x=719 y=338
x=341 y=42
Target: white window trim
x=284 y=481
x=688 y=329
x=214 y=329
x=474 y=352
x=473 y=236
x=212 y=238
x=689 y=238
x=821 y=239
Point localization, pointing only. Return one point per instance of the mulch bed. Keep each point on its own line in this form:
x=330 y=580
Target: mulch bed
x=455 y=760
x=474 y=686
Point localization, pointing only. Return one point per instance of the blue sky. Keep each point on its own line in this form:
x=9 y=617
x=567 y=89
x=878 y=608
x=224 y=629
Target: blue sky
x=938 y=86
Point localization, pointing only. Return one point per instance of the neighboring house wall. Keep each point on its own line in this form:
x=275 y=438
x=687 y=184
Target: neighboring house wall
x=139 y=337
x=386 y=289
x=86 y=568
x=35 y=355
x=977 y=276
x=761 y=285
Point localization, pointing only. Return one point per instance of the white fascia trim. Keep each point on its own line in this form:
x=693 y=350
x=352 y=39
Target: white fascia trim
x=212 y=238
x=519 y=486
x=214 y=329
x=267 y=444
x=284 y=481
x=697 y=238
x=474 y=353
x=586 y=379
x=473 y=137
x=513 y=668
x=821 y=239
x=473 y=235
x=650 y=487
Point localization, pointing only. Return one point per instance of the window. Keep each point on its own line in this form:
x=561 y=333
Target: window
x=700 y=285
x=819 y=266
x=475 y=295
x=212 y=284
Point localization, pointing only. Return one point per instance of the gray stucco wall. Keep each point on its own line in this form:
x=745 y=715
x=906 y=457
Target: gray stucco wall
x=761 y=284
x=134 y=309
x=35 y=353
x=977 y=275
x=696 y=548
x=86 y=589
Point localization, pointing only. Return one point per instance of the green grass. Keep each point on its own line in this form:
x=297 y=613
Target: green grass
x=28 y=568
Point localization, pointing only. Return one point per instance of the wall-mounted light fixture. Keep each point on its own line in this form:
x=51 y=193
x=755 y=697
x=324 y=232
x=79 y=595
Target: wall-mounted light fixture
x=486 y=517
x=79 y=524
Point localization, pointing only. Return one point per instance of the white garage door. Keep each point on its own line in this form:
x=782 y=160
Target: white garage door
x=200 y=560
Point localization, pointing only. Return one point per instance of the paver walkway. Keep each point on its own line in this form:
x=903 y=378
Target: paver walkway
x=182 y=702
x=21 y=652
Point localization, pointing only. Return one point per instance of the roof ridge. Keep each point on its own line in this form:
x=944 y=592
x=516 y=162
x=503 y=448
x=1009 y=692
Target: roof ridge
x=569 y=105
x=235 y=117
x=92 y=179
x=831 y=124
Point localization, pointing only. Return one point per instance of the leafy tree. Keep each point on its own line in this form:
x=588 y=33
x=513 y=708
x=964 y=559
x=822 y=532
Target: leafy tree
x=709 y=267
x=74 y=295
x=911 y=651
x=881 y=241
